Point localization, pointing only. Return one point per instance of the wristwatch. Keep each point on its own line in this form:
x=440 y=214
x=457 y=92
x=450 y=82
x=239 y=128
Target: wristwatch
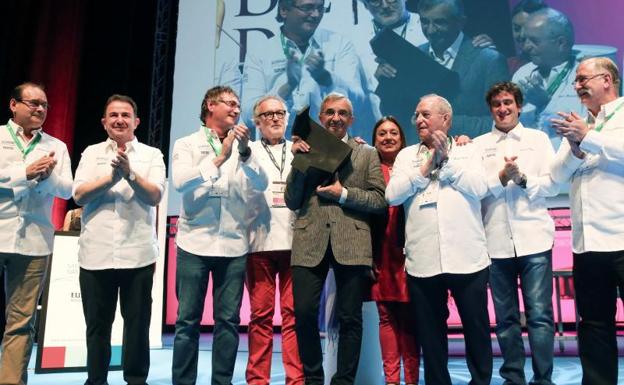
x=131 y=176
x=523 y=181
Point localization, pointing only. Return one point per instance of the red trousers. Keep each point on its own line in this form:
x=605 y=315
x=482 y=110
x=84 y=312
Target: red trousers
x=262 y=269
x=398 y=340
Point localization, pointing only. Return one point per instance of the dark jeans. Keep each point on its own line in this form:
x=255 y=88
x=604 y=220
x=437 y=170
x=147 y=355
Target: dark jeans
x=429 y=298
x=228 y=276
x=596 y=277
x=535 y=273
x=99 y=290
x=307 y=285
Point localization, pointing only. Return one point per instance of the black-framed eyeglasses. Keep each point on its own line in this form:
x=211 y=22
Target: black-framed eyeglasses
x=270 y=115
x=342 y=113
x=33 y=103
x=377 y=3
x=309 y=9
x=584 y=79
x=230 y=103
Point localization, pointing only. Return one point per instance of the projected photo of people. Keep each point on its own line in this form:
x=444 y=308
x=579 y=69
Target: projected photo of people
x=386 y=54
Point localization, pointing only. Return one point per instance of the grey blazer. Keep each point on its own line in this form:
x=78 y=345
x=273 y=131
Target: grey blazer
x=320 y=221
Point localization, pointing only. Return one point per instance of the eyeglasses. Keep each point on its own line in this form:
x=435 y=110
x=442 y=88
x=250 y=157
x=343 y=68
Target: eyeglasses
x=33 y=103
x=377 y=3
x=584 y=79
x=270 y=115
x=230 y=103
x=342 y=113
x=310 y=8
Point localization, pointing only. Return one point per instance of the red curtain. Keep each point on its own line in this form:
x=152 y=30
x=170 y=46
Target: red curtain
x=56 y=61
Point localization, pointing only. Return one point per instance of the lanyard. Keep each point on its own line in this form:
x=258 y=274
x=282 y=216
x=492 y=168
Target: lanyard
x=554 y=85
x=287 y=53
x=606 y=119
x=31 y=145
x=216 y=145
x=280 y=169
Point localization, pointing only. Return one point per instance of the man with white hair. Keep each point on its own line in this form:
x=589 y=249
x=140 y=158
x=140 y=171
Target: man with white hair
x=440 y=186
x=270 y=239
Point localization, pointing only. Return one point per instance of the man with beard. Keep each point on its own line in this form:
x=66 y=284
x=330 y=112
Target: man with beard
x=34 y=168
x=442 y=22
x=119 y=182
x=545 y=81
x=305 y=63
x=440 y=186
x=332 y=229
x=591 y=159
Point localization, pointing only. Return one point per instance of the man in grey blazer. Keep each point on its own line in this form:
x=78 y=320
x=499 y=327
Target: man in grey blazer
x=332 y=229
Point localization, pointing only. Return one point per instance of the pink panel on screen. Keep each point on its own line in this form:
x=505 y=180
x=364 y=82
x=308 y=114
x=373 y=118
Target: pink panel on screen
x=53 y=357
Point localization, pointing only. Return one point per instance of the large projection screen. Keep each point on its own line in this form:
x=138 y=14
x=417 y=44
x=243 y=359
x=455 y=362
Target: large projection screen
x=250 y=36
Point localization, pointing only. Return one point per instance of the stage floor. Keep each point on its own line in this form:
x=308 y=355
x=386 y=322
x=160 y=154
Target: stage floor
x=567 y=369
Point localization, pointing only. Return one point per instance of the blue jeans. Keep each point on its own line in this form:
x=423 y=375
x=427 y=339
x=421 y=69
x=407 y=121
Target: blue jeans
x=228 y=276
x=535 y=273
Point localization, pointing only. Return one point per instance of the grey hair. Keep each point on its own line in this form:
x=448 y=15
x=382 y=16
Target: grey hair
x=606 y=64
x=556 y=24
x=334 y=96
x=443 y=105
x=269 y=97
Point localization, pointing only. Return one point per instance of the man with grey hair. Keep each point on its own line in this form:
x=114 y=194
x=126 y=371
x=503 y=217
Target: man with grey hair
x=478 y=68
x=548 y=38
x=440 y=186
x=332 y=229
x=270 y=239
x=591 y=159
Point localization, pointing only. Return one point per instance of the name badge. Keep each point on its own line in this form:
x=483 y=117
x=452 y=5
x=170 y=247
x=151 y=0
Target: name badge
x=277 y=194
x=430 y=194
x=219 y=188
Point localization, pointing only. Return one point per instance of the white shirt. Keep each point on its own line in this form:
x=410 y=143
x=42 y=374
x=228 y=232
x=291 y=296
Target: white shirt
x=118 y=229
x=563 y=99
x=272 y=225
x=214 y=218
x=26 y=205
x=516 y=220
x=597 y=184
x=446 y=236
x=264 y=73
x=449 y=54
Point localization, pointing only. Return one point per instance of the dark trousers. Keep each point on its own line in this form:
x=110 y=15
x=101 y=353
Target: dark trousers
x=228 y=277
x=429 y=298
x=307 y=286
x=100 y=289
x=596 y=277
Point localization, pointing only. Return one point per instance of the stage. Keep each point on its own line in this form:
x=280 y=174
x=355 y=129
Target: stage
x=567 y=369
